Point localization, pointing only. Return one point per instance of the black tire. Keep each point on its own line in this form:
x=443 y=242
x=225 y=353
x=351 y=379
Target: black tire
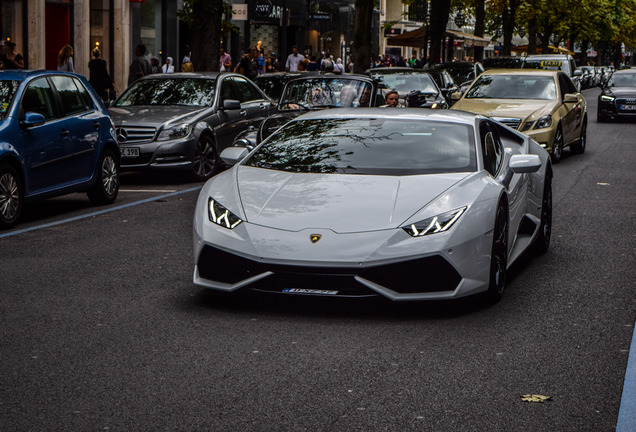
x=11 y=196
x=106 y=185
x=205 y=162
x=542 y=241
x=579 y=147
x=557 y=146
x=498 y=256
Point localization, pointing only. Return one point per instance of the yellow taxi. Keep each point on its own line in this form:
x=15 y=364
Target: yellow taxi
x=545 y=105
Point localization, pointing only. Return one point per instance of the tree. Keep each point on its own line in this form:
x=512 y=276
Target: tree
x=440 y=10
x=205 y=17
x=362 y=35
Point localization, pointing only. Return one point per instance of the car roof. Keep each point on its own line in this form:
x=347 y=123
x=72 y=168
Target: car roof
x=23 y=74
x=541 y=72
x=625 y=72
x=365 y=78
x=548 y=56
x=453 y=116
x=204 y=75
x=393 y=69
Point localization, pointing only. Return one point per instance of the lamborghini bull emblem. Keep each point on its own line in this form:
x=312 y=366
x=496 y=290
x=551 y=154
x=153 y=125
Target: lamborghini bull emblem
x=315 y=237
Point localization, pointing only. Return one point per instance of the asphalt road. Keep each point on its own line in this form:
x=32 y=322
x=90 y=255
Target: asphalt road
x=101 y=327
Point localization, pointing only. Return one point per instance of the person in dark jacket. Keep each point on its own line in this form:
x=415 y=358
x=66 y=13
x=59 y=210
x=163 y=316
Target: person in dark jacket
x=99 y=77
x=140 y=65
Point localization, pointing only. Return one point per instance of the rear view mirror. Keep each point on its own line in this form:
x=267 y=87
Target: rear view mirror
x=570 y=98
x=231 y=104
x=233 y=155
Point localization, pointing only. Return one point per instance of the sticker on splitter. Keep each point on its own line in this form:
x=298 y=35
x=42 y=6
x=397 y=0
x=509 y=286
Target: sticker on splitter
x=309 y=291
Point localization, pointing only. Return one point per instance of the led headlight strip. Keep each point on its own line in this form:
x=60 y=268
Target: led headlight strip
x=222 y=216
x=435 y=224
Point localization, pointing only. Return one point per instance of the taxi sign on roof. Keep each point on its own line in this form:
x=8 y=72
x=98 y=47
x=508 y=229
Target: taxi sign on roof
x=551 y=63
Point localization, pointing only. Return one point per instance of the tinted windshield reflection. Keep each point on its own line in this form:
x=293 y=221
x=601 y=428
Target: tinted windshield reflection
x=325 y=93
x=623 y=80
x=513 y=87
x=368 y=146
x=406 y=82
x=170 y=91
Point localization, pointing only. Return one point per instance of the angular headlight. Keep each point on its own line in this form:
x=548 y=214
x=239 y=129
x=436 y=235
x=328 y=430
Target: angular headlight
x=175 y=132
x=606 y=98
x=527 y=125
x=544 y=122
x=222 y=216
x=435 y=224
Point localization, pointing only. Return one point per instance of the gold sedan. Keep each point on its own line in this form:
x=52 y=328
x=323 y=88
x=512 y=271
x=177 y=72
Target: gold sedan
x=545 y=105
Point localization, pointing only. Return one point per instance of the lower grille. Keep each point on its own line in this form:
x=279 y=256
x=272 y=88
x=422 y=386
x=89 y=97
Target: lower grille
x=431 y=274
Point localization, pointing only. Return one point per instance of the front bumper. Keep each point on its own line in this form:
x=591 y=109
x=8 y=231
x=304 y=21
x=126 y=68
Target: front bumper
x=545 y=137
x=177 y=153
x=617 y=109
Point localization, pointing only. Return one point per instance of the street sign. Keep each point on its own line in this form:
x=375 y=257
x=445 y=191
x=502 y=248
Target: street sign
x=263 y=8
x=239 y=12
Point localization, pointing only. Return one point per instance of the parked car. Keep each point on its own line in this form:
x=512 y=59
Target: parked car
x=184 y=120
x=314 y=93
x=415 y=87
x=542 y=104
x=618 y=98
x=56 y=137
x=405 y=204
x=445 y=82
x=555 y=62
x=590 y=78
x=503 y=62
x=273 y=83
x=461 y=71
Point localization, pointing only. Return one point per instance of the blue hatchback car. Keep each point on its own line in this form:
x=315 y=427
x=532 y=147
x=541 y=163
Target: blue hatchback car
x=56 y=137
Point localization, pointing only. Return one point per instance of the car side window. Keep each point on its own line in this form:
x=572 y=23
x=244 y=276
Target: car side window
x=492 y=150
x=38 y=98
x=246 y=91
x=73 y=101
x=228 y=91
x=563 y=86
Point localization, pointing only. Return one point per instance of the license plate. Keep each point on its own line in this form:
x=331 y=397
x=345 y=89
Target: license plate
x=129 y=151
x=627 y=107
x=309 y=291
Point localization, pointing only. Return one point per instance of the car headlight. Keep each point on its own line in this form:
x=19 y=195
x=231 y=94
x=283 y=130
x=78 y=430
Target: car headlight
x=544 y=122
x=528 y=125
x=175 y=132
x=435 y=224
x=606 y=98
x=222 y=216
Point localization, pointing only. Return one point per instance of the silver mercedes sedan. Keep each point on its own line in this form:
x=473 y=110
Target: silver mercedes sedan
x=184 y=120
x=408 y=204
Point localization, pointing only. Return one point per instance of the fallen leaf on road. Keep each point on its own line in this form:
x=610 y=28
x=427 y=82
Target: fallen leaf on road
x=535 y=398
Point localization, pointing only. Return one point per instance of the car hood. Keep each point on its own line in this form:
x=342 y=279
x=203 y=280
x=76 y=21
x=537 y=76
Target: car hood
x=622 y=92
x=342 y=203
x=507 y=108
x=155 y=115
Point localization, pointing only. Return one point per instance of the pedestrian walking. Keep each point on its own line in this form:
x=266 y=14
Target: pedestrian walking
x=10 y=58
x=140 y=65
x=326 y=64
x=225 y=61
x=293 y=59
x=249 y=63
x=168 y=67
x=65 y=59
x=338 y=68
x=99 y=77
x=155 y=65
x=187 y=67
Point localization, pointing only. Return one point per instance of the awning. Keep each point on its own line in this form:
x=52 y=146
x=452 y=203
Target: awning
x=552 y=48
x=475 y=40
x=413 y=38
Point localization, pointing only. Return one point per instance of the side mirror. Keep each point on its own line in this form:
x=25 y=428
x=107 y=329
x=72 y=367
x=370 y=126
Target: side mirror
x=233 y=155
x=32 y=119
x=527 y=163
x=231 y=104
x=570 y=98
x=577 y=72
x=456 y=96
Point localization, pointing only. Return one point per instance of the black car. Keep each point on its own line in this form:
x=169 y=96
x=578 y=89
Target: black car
x=462 y=72
x=272 y=84
x=445 y=82
x=184 y=120
x=314 y=92
x=415 y=87
x=618 y=97
x=505 y=62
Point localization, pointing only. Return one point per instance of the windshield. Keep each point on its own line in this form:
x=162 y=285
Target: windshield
x=404 y=83
x=325 y=93
x=554 y=65
x=8 y=88
x=623 y=80
x=513 y=87
x=461 y=72
x=169 y=91
x=368 y=146
x=271 y=86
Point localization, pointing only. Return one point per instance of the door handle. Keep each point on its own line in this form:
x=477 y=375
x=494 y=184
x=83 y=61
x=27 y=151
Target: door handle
x=65 y=132
x=243 y=113
x=96 y=124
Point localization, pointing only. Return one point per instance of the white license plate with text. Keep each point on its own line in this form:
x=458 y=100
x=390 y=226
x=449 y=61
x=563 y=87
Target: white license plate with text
x=129 y=151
